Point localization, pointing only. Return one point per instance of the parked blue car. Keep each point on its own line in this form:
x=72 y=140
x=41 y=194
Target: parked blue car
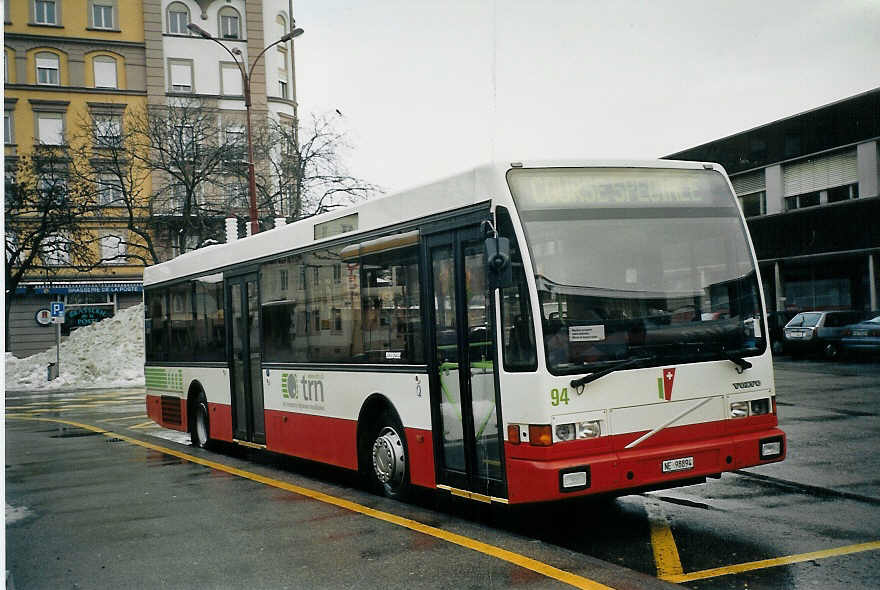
x=864 y=336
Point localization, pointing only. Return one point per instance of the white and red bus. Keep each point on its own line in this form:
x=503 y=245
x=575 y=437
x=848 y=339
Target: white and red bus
x=519 y=333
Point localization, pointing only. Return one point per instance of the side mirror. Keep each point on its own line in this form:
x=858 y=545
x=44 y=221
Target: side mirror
x=498 y=262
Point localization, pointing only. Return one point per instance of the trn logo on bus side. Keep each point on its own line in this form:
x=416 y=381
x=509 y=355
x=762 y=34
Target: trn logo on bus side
x=665 y=383
x=307 y=388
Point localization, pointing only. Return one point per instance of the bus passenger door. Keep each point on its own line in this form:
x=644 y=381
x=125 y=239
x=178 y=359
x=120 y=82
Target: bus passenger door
x=464 y=399
x=243 y=331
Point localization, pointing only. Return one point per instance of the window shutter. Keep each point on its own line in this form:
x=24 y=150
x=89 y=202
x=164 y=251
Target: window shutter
x=47 y=62
x=109 y=127
x=105 y=73
x=113 y=245
x=50 y=130
x=231 y=80
x=745 y=184
x=181 y=75
x=820 y=173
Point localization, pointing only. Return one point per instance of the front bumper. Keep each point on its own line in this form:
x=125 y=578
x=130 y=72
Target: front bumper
x=531 y=480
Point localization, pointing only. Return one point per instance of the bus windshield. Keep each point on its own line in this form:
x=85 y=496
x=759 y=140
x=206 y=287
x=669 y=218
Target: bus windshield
x=638 y=263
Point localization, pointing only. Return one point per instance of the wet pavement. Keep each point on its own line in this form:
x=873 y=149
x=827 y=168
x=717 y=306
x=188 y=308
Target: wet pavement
x=117 y=502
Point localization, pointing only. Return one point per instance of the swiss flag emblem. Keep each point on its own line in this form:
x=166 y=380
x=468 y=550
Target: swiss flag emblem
x=668 y=381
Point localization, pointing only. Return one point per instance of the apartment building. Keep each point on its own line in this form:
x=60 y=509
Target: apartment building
x=69 y=61
x=184 y=69
x=66 y=64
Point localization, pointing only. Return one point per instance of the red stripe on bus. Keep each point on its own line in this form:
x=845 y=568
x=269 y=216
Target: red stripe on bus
x=668 y=436
x=531 y=480
x=420 y=444
x=317 y=438
x=334 y=441
x=220 y=421
x=154 y=411
x=533 y=472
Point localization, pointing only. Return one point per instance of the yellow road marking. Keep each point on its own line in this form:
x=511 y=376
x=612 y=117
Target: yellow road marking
x=765 y=563
x=143 y=425
x=99 y=404
x=87 y=405
x=63 y=407
x=454 y=538
x=112 y=420
x=666 y=557
x=26 y=406
x=101 y=395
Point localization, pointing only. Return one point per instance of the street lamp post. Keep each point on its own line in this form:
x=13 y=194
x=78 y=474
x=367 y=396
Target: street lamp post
x=246 y=72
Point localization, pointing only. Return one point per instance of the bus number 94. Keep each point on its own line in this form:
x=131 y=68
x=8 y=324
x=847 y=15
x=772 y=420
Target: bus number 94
x=559 y=397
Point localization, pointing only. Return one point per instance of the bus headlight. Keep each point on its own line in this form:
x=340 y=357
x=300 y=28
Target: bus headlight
x=565 y=432
x=739 y=409
x=760 y=406
x=577 y=430
x=590 y=429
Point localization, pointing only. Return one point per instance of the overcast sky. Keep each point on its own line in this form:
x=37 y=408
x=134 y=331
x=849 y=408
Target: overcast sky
x=427 y=89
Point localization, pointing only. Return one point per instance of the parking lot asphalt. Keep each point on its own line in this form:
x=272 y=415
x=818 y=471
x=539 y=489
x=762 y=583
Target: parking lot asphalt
x=97 y=508
x=99 y=497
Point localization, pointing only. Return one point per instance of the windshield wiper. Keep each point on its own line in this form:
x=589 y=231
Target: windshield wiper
x=578 y=384
x=741 y=363
x=704 y=349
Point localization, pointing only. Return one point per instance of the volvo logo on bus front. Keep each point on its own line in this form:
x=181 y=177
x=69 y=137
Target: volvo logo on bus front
x=747 y=384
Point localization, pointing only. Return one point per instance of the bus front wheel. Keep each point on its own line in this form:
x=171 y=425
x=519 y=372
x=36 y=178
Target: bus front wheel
x=201 y=430
x=390 y=464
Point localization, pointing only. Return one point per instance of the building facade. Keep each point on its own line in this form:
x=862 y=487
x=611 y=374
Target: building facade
x=809 y=187
x=69 y=61
x=67 y=64
x=185 y=69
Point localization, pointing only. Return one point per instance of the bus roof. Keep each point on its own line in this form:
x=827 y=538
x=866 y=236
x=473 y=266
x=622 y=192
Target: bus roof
x=474 y=186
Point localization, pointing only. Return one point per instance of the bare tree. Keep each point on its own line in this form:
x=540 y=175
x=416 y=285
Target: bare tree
x=196 y=158
x=302 y=171
x=184 y=147
x=44 y=208
x=104 y=155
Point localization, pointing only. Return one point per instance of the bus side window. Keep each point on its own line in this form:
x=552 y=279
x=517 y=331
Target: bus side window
x=210 y=331
x=390 y=329
x=517 y=325
x=181 y=325
x=156 y=333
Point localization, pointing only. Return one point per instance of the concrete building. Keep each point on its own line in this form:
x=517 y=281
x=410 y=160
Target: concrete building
x=809 y=186
x=66 y=60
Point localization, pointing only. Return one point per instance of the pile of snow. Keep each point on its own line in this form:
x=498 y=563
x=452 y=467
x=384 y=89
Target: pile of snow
x=109 y=353
x=14 y=514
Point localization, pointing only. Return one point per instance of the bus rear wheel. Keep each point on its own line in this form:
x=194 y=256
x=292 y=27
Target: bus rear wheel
x=201 y=430
x=390 y=464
